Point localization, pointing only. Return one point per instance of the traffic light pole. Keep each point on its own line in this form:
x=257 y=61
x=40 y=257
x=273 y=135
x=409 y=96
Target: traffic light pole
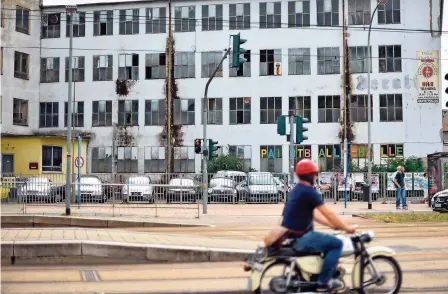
x=205 y=149
x=291 y=148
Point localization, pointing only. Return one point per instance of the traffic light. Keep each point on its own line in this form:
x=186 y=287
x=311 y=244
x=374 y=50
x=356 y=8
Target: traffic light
x=212 y=148
x=446 y=79
x=300 y=129
x=281 y=125
x=237 y=60
x=197 y=146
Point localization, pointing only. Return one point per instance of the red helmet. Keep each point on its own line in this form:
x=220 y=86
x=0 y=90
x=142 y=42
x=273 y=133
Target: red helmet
x=306 y=167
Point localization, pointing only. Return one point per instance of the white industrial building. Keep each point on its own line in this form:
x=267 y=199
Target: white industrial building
x=296 y=61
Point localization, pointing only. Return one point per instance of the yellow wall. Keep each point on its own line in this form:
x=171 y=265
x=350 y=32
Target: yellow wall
x=29 y=149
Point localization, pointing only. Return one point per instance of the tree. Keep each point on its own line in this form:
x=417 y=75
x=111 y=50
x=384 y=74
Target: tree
x=225 y=162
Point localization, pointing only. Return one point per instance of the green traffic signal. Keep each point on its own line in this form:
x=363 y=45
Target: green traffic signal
x=300 y=129
x=237 y=60
x=212 y=148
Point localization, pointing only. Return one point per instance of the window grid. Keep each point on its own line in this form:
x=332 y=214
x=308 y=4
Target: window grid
x=156 y=20
x=391 y=107
x=268 y=62
x=102 y=159
x=21 y=68
x=301 y=105
x=128 y=113
x=20 y=112
x=102 y=68
x=327 y=13
x=51 y=26
x=128 y=65
x=22 y=20
x=155 y=66
x=271 y=162
x=358 y=108
x=184 y=158
x=299 y=13
x=328 y=61
x=49 y=70
x=299 y=61
x=79 y=25
x=332 y=163
x=359 y=155
x=214 y=107
x=155 y=112
x=270 y=15
x=244 y=69
x=103 y=23
x=185 y=19
x=329 y=109
x=184 y=113
x=77 y=114
x=51 y=158
x=389 y=58
x=155 y=157
x=127 y=159
x=212 y=17
x=239 y=16
x=244 y=152
x=129 y=21
x=270 y=109
x=102 y=113
x=77 y=69
x=359 y=58
x=209 y=62
x=359 y=12
x=389 y=13
x=301 y=152
x=184 y=65
x=240 y=111
x=49 y=115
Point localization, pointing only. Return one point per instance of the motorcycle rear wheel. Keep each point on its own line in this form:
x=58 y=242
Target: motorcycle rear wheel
x=396 y=269
x=265 y=281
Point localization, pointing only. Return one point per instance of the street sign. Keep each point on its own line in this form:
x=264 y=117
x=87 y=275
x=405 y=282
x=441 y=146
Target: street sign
x=81 y=162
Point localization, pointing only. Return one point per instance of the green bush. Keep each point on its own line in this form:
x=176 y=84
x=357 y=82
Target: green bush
x=225 y=162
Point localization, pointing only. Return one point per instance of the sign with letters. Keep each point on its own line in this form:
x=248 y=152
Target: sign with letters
x=329 y=151
x=391 y=150
x=270 y=151
x=359 y=151
x=301 y=151
x=428 y=76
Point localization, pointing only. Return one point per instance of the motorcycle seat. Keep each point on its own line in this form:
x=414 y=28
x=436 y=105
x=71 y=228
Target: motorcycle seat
x=291 y=252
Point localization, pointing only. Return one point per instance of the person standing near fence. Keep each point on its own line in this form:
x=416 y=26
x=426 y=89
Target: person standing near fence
x=425 y=187
x=401 y=190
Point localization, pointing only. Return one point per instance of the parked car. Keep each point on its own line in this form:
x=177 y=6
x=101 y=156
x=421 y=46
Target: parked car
x=283 y=188
x=183 y=190
x=259 y=187
x=138 y=188
x=35 y=189
x=237 y=176
x=439 y=201
x=222 y=189
x=91 y=189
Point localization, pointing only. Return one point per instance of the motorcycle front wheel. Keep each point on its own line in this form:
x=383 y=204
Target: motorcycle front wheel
x=390 y=280
x=273 y=279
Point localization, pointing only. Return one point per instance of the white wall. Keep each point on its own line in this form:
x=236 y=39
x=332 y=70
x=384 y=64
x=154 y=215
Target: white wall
x=420 y=130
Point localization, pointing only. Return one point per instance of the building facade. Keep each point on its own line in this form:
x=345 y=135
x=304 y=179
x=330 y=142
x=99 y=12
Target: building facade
x=302 y=56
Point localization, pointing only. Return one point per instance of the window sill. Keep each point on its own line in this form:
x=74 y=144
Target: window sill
x=21 y=78
x=127 y=125
x=20 y=124
x=25 y=32
x=270 y=75
x=101 y=126
x=52 y=172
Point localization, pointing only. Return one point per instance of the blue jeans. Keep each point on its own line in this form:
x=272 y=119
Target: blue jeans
x=325 y=243
x=400 y=196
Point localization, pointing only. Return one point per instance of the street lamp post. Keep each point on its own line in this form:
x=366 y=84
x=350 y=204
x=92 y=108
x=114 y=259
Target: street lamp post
x=369 y=107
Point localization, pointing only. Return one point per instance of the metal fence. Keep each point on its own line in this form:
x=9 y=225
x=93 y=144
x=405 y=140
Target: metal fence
x=180 y=195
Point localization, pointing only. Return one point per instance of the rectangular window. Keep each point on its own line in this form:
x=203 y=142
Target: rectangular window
x=184 y=160
x=77 y=69
x=240 y=111
x=301 y=105
x=77 y=114
x=22 y=20
x=359 y=155
x=359 y=12
x=388 y=151
x=103 y=23
x=212 y=19
x=51 y=158
x=244 y=69
x=271 y=158
x=1 y=60
x=214 y=106
x=2 y=24
x=184 y=65
x=359 y=58
x=184 y=19
x=21 y=65
x=155 y=66
x=128 y=113
x=391 y=107
x=329 y=108
x=49 y=115
x=358 y=108
x=127 y=160
x=155 y=159
x=155 y=112
x=301 y=152
x=330 y=158
x=244 y=152
x=299 y=61
x=209 y=61
x=328 y=61
x=239 y=16
x=51 y=26
x=102 y=160
x=184 y=112
x=128 y=67
x=49 y=70
x=129 y=21
x=270 y=15
x=328 y=13
x=270 y=109
x=389 y=13
x=299 y=13
x=270 y=61
x=102 y=68
x=389 y=58
x=101 y=113
x=79 y=25
x=20 y=112
x=156 y=20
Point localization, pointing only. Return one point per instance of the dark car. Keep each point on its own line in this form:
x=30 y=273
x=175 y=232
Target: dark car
x=259 y=187
x=222 y=190
x=440 y=201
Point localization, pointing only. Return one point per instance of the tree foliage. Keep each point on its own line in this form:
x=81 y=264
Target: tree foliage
x=225 y=162
x=411 y=164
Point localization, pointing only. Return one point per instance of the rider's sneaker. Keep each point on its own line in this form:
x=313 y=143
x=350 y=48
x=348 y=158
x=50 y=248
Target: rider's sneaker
x=333 y=285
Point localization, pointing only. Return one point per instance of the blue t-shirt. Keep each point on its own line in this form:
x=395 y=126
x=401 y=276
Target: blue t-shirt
x=299 y=209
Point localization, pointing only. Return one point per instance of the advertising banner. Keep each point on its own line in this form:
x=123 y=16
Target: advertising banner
x=428 y=76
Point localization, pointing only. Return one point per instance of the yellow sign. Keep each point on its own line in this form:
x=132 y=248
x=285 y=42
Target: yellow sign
x=271 y=151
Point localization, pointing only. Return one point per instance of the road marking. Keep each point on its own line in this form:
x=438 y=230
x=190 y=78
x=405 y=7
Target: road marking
x=90 y=276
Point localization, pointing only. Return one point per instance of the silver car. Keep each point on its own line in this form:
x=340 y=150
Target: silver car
x=138 y=188
x=259 y=187
x=35 y=189
x=182 y=190
x=222 y=189
x=91 y=189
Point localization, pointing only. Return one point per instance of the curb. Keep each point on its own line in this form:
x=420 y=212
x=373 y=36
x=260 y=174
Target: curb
x=118 y=251
x=357 y=213
x=70 y=221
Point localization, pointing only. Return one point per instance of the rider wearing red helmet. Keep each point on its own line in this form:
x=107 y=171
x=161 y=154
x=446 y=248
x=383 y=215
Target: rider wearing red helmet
x=305 y=205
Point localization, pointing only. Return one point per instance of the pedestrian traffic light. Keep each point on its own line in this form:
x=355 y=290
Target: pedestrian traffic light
x=197 y=146
x=300 y=129
x=237 y=60
x=212 y=148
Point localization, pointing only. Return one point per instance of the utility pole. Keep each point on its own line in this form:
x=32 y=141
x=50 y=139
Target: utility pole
x=70 y=9
x=169 y=92
x=291 y=147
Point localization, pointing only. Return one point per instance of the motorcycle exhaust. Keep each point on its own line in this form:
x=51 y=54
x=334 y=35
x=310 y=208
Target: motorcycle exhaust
x=247 y=268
